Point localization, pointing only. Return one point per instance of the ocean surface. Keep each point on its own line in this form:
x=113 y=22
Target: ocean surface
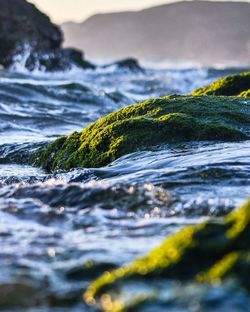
x=60 y=231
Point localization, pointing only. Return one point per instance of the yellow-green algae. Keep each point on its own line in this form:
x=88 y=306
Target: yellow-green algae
x=245 y=93
x=157 y=121
x=207 y=253
x=234 y=85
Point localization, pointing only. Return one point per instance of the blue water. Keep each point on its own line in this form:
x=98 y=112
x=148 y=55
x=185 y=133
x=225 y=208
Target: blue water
x=52 y=225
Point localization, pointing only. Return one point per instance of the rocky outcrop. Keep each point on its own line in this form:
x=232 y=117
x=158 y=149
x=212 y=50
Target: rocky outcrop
x=140 y=127
x=27 y=32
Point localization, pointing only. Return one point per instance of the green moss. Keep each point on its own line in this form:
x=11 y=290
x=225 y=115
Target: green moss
x=206 y=253
x=153 y=122
x=233 y=85
x=245 y=93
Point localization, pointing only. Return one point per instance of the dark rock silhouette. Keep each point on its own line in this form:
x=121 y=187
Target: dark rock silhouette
x=24 y=29
x=127 y=63
x=57 y=59
x=200 y=31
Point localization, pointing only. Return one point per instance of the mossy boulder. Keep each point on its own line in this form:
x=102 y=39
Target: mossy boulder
x=210 y=253
x=139 y=127
x=234 y=85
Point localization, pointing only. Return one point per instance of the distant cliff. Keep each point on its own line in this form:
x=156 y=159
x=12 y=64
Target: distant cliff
x=199 y=31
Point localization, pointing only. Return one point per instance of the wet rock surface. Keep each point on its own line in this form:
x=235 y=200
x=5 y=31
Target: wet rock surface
x=234 y=85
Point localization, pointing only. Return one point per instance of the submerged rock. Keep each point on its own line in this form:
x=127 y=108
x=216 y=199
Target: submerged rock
x=138 y=127
x=27 y=32
x=234 y=85
x=209 y=253
x=20 y=294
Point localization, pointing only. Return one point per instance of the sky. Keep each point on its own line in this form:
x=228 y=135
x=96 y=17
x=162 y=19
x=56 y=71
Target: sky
x=78 y=10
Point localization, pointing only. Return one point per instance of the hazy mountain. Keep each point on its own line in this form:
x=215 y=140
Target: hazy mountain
x=200 y=31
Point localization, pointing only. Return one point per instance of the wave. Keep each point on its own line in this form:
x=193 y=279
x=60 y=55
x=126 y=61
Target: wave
x=59 y=231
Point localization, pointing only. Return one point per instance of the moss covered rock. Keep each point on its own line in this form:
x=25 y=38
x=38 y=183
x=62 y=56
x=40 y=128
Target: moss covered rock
x=211 y=252
x=245 y=93
x=234 y=85
x=153 y=122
